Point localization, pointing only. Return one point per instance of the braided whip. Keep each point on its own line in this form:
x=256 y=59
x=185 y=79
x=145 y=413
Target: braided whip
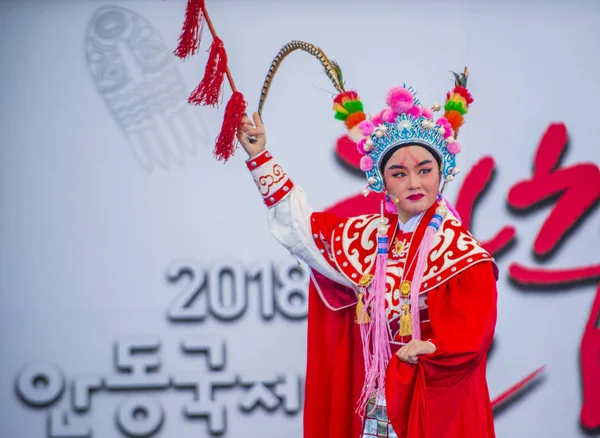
x=331 y=68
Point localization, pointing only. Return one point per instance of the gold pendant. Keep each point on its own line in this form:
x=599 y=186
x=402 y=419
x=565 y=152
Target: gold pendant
x=405 y=321
x=398 y=247
x=405 y=288
x=362 y=314
x=365 y=280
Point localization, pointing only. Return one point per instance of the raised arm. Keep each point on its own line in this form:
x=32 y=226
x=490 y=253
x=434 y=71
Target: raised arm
x=289 y=212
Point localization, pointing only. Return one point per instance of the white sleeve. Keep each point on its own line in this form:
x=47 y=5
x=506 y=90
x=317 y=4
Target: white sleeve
x=289 y=221
x=289 y=214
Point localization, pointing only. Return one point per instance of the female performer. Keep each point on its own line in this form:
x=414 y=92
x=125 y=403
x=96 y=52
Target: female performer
x=402 y=304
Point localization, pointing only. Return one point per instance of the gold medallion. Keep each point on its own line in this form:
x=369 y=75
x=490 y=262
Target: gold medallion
x=365 y=280
x=405 y=288
x=398 y=247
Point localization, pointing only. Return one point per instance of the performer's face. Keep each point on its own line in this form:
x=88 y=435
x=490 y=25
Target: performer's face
x=412 y=177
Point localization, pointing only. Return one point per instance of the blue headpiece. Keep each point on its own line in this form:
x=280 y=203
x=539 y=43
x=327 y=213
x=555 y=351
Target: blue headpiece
x=405 y=121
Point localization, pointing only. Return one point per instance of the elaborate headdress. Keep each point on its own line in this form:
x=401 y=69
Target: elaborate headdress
x=405 y=121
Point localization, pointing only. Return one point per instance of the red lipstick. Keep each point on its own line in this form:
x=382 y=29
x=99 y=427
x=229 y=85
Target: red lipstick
x=416 y=197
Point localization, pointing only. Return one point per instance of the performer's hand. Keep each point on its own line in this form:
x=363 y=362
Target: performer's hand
x=410 y=352
x=252 y=136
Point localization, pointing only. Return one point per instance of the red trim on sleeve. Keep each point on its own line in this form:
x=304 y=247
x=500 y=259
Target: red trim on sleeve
x=281 y=193
x=257 y=161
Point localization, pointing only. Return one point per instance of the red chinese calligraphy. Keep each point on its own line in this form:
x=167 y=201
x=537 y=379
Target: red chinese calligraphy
x=471 y=189
x=590 y=368
x=540 y=276
x=577 y=188
x=346 y=151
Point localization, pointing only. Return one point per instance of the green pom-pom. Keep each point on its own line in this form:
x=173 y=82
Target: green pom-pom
x=341 y=116
x=455 y=106
x=354 y=106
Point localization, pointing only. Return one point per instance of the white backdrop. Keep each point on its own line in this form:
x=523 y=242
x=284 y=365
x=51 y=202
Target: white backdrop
x=114 y=209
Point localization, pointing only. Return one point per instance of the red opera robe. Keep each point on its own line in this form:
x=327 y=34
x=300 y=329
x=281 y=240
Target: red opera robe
x=445 y=395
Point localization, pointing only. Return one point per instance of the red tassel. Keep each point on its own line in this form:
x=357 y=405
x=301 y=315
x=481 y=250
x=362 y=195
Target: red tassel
x=210 y=87
x=191 y=34
x=235 y=110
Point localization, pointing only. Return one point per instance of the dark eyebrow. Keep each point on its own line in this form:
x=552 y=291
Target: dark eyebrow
x=399 y=166
x=396 y=166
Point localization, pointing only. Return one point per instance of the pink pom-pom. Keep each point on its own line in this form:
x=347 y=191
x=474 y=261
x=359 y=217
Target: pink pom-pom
x=360 y=146
x=427 y=113
x=377 y=119
x=448 y=131
x=366 y=127
x=366 y=163
x=441 y=121
x=390 y=207
x=400 y=99
x=388 y=115
x=415 y=111
x=453 y=148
